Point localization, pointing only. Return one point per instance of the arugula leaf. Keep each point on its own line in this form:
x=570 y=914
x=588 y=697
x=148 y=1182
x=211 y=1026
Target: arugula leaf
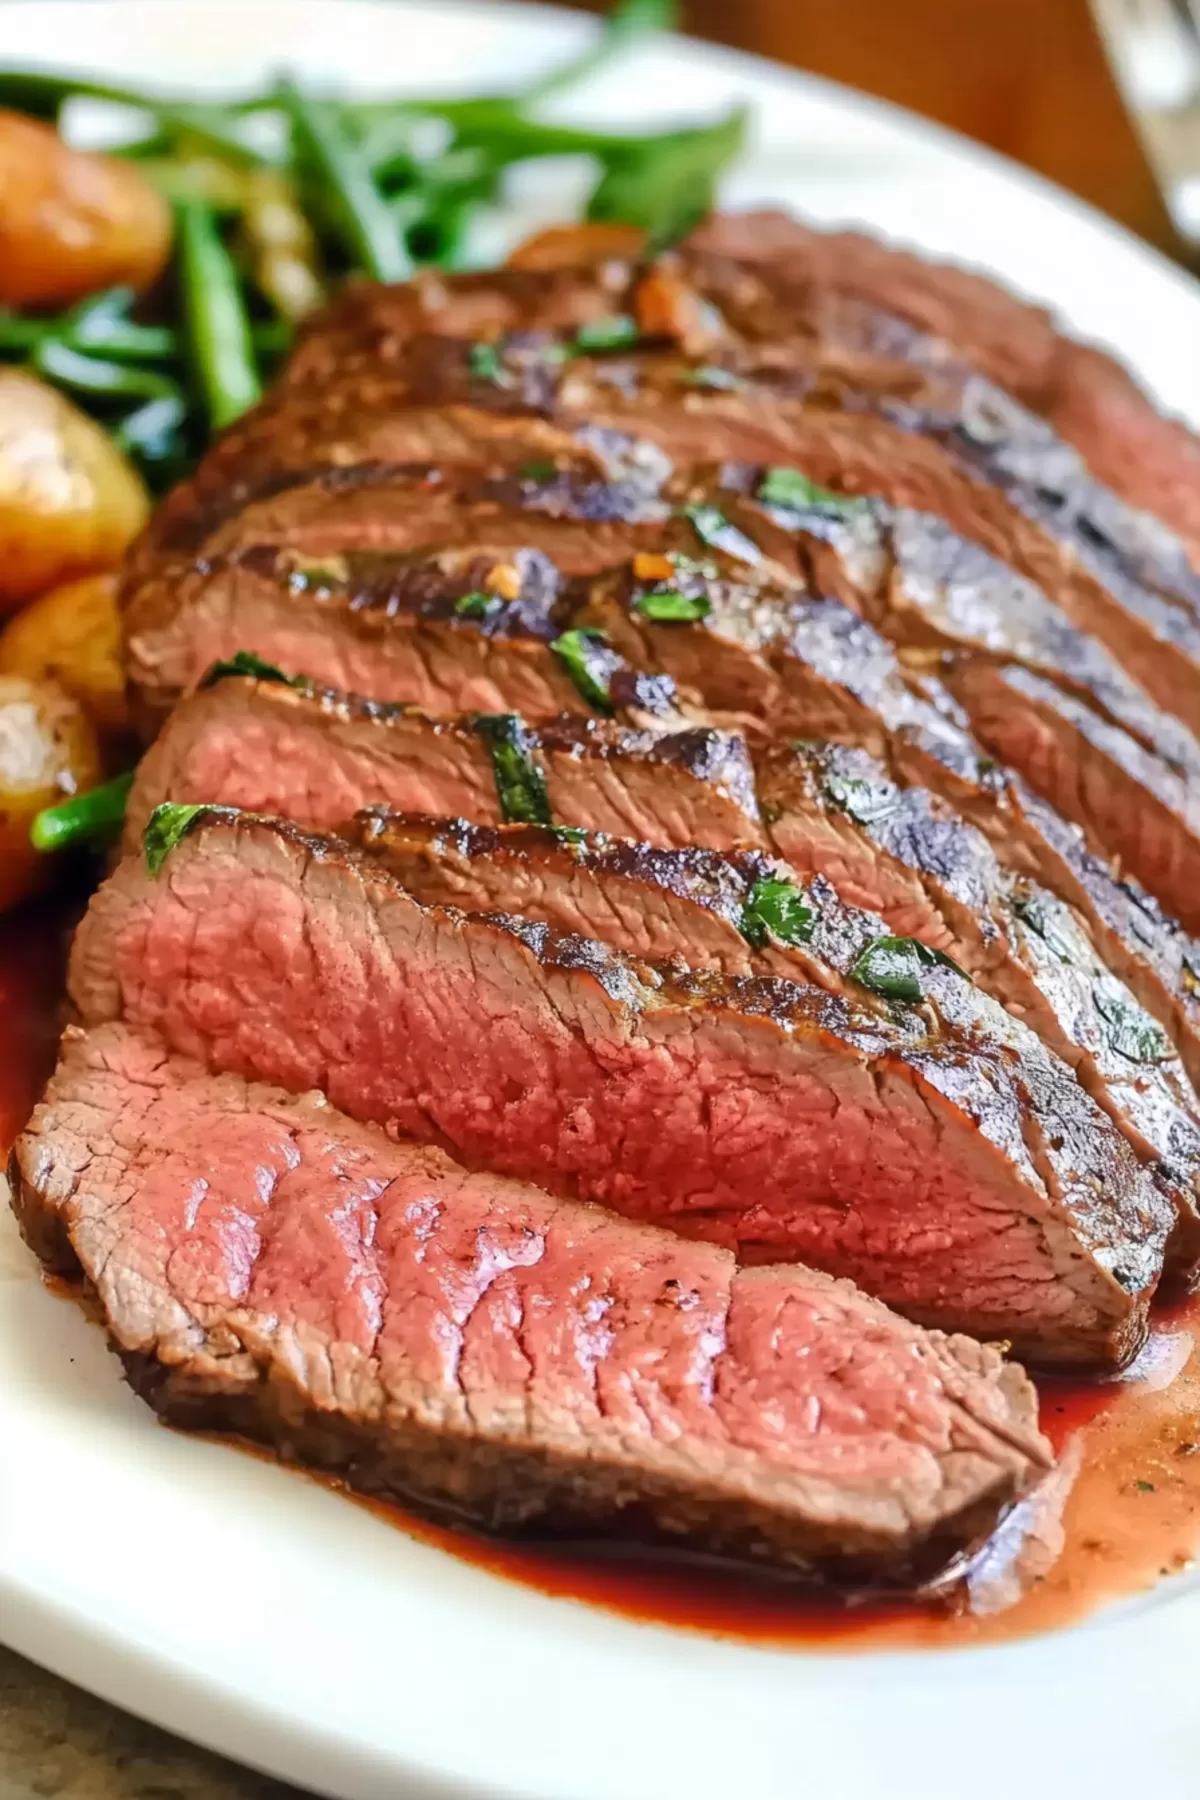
x=1132 y=1033
x=589 y=663
x=712 y=527
x=667 y=186
x=777 y=908
x=608 y=334
x=794 y=492
x=244 y=662
x=892 y=966
x=164 y=828
x=520 y=783
x=665 y=607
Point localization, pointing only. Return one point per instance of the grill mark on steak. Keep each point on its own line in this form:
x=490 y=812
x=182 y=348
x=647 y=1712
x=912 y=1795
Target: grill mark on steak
x=491 y=1354
x=1089 y=398
x=976 y=1184
x=936 y=437
x=316 y=755
x=930 y=875
x=1048 y=700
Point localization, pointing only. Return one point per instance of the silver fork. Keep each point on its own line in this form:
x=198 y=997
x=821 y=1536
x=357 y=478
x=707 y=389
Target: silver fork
x=1154 y=49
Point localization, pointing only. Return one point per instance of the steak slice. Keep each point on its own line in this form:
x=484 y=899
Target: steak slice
x=314 y=755
x=1039 y=693
x=1090 y=399
x=935 y=437
x=470 y=1345
x=929 y=875
x=966 y=1181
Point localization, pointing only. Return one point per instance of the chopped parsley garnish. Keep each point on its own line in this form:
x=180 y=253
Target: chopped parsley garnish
x=538 y=471
x=477 y=605
x=777 y=908
x=520 y=783
x=589 y=662
x=617 y=333
x=244 y=662
x=867 y=802
x=1131 y=1032
x=712 y=527
x=710 y=375
x=484 y=363
x=892 y=966
x=164 y=828
x=666 y=607
x=789 y=489
x=1054 y=925
x=569 y=834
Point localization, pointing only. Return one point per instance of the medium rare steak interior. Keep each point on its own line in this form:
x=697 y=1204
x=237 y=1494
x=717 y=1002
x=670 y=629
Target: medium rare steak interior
x=770 y=1116
x=672 y=788
x=466 y=1343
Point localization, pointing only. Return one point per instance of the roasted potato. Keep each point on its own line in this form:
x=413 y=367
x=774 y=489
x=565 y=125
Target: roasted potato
x=72 y=635
x=69 y=501
x=48 y=751
x=72 y=223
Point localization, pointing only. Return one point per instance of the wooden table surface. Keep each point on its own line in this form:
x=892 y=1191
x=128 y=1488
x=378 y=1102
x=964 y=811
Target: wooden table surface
x=1027 y=77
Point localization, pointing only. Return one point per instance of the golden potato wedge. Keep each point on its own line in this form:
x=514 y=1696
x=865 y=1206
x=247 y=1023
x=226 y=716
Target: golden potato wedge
x=48 y=751
x=69 y=501
x=72 y=635
x=72 y=223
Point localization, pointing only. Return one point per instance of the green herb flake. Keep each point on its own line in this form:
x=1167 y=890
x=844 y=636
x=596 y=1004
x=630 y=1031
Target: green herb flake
x=666 y=607
x=569 y=834
x=327 y=572
x=484 y=363
x=711 y=376
x=713 y=528
x=244 y=662
x=868 y=803
x=779 y=909
x=1131 y=1032
x=1054 y=925
x=166 y=825
x=794 y=492
x=892 y=967
x=591 y=672
x=617 y=333
x=520 y=783
x=538 y=471
x=477 y=605
x=1144 y=1487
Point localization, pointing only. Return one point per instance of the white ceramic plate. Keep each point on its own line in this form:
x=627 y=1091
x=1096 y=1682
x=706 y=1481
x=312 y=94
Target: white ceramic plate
x=267 y=1618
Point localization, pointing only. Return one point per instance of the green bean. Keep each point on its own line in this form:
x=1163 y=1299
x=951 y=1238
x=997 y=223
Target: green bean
x=623 y=26
x=342 y=181
x=667 y=186
x=92 y=375
x=152 y=436
x=82 y=818
x=218 y=329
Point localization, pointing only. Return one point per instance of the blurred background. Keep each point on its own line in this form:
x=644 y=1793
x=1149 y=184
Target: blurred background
x=1028 y=77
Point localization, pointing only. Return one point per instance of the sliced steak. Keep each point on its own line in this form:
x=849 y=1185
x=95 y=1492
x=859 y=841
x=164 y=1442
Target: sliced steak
x=929 y=875
x=1039 y=693
x=314 y=755
x=470 y=1345
x=1152 y=461
x=966 y=1181
x=931 y=436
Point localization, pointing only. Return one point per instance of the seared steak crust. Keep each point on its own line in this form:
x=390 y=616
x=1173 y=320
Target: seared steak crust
x=315 y=755
x=662 y=1092
x=930 y=875
x=470 y=1345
